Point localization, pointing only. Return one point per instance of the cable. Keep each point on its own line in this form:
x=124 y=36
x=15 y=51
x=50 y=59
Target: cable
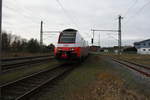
x=138 y=12
x=66 y=13
x=28 y=11
x=143 y=7
x=69 y=16
x=130 y=8
x=109 y=35
x=24 y=12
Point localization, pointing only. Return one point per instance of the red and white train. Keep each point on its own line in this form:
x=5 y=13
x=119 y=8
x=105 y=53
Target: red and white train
x=71 y=45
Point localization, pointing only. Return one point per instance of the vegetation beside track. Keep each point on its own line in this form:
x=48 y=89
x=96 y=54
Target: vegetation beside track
x=141 y=59
x=97 y=79
x=16 y=46
x=14 y=75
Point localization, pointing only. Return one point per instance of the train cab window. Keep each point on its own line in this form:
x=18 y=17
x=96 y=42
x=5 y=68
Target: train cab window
x=67 y=37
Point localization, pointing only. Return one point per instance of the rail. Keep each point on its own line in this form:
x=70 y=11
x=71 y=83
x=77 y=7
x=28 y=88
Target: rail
x=13 y=63
x=26 y=86
x=23 y=58
x=142 y=69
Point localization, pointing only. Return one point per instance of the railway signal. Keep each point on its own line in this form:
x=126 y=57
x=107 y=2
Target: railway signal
x=119 y=33
x=92 y=41
x=96 y=30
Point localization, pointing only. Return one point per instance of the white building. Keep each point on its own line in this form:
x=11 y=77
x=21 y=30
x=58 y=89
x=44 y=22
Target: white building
x=143 y=47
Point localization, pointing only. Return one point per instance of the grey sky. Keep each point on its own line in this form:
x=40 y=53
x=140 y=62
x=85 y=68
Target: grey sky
x=22 y=17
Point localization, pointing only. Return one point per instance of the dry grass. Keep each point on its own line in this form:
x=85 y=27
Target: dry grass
x=106 y=87
x=141 y=59
x=97 y=79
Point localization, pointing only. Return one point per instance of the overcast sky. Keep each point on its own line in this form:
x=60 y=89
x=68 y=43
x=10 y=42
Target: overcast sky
x=22 y=17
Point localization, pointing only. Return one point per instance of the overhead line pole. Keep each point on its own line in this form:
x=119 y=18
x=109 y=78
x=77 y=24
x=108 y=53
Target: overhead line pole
x=119 y=34
x=41 y=34
x=93 y=38
x=99 y=42
x=0 y=41
x=0 y=35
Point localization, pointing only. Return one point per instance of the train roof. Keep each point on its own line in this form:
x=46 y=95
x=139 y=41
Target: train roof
x=69 y=29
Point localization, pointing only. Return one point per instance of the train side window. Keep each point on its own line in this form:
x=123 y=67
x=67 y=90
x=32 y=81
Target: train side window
x=144 y=49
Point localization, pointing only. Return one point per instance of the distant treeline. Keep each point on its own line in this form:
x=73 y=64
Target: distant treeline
x=13 y=43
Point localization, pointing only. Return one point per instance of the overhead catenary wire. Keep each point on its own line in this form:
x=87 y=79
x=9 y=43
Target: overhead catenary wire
x=22 y=14
x=72 y=19
x=27 y=10
x=138 y=12
x=66 y=13
x=109 y=35
x=130 y=8
x=27 y=14
x=145 y=5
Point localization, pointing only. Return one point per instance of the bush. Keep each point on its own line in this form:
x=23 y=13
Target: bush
x=13 y=43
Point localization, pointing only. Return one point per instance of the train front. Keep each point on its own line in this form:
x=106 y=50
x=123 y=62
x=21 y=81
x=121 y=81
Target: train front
x=67 y=48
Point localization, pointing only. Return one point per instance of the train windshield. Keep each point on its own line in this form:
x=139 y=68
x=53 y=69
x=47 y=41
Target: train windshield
x=67 y=37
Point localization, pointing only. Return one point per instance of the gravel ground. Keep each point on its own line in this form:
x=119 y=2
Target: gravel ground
x=98 y=78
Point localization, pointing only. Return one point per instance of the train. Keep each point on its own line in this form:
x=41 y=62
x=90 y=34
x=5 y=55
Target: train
x=71 y=45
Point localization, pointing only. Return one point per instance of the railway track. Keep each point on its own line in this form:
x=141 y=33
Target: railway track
x=142 y=69
x=15 y=63
x=23 y=58
x=24 y=87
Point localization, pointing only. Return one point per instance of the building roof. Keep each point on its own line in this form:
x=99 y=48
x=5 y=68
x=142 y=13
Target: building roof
x=142 y=41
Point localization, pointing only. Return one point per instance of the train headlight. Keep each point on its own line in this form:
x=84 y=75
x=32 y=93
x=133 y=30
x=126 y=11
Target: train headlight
x=72 y=49
x=59 y=49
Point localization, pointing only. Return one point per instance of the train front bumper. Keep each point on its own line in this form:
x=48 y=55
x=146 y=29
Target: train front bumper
x=67 y=55
x=67 y=52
